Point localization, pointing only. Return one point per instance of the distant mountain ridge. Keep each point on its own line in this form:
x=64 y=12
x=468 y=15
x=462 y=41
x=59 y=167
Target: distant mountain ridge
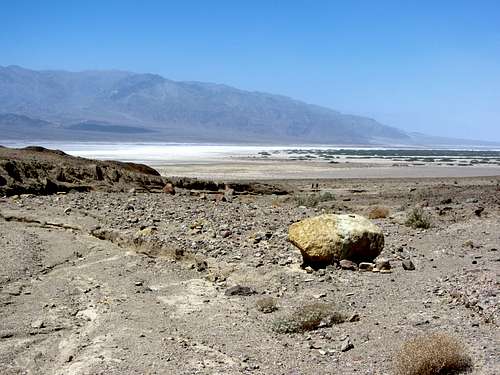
x=125 y=106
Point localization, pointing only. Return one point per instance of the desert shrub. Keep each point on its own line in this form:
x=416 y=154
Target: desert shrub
x=308 y=318
x=266 y=304
x=417 y=218
x=432 y=354
x=312 y=200
x=378 y=213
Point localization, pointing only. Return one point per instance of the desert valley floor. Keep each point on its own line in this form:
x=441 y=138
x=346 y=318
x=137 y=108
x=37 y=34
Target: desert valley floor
x=135 y=282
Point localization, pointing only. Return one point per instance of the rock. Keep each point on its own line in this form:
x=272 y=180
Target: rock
x=353 y=318
x=326 y=238
x=201 y=265
x=88 y=314
x=225 y=233
x=228 y=194
x=408 y=265
x=13 y=290
x=239 y=290
x=348 y=265
x=320 y=295
x=67 y=210
x=169 y=188
x=365 y=266
x=478 y=211
x=346 y=345
x=382 y=264
x=37 y=324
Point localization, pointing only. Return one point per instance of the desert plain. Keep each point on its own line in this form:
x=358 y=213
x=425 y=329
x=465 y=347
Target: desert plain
x=109 y=273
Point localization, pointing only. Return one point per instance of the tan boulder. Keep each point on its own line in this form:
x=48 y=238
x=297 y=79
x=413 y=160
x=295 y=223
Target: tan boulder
x=327 y=238
x=169 y=188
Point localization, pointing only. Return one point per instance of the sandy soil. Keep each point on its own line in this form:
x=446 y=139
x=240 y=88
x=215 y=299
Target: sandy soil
x=136 y=283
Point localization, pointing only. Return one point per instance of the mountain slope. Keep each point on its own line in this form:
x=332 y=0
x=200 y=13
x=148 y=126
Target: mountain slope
x=170 y=111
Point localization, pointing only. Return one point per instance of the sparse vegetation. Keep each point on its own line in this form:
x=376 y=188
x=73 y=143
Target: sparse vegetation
x=312 y=200
x=378 y=213
x=434 y=354
x=308 y=318
x=418 y=219
x=266 y=305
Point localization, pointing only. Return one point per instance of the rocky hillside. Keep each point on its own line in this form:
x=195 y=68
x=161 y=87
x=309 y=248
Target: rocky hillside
x=42 y=171
x=117 y=105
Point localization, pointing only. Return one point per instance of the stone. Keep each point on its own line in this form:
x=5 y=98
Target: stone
x=239 y=290
x=408 y=265
x=346 y=345
x=169 y=188
x=37 y=324
x=326 y=238
x=228 y=194
x=67 y=210
x=201 y=265
x=348 y=265
x=383 y=264
x=353 y=318
x=365 y=266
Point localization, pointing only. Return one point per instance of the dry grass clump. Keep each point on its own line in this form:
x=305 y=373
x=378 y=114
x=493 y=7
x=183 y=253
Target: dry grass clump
x=312 y=200
x=378 y=213
x=434 y=354
x=417 y=218
x=266 y=305
x=309 y=317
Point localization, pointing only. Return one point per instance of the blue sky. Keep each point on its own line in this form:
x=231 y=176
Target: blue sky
x=428 y=66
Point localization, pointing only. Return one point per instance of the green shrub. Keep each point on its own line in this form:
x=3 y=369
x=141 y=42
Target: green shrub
x=417 y=218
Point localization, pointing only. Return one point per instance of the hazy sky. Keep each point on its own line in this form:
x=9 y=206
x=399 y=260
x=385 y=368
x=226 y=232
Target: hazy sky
x=428 y=66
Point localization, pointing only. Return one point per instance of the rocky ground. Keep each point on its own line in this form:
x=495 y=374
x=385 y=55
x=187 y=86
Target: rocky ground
x=142 y=283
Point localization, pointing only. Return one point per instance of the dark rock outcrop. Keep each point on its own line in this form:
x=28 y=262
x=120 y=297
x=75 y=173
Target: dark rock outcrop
x=37 y=170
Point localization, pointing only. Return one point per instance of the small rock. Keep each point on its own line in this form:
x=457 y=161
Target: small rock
x=365 y=266
x=169 y=188
x=225 y=233
x=13 y=290
x=346 y=345
x=382 y=264
x=408 y=265
x=353 y=318
x=478 y=211
x=201 y=265
x=309 y=269
x=67 y=210
x=239 y=290
x=348 y=265
x=38 y=324
x=320 y=295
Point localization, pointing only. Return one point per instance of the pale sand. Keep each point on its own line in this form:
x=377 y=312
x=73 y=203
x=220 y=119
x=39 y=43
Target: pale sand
x=245 y=169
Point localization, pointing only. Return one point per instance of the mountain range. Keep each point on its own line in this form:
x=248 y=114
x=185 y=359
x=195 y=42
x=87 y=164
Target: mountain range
x=125 y=106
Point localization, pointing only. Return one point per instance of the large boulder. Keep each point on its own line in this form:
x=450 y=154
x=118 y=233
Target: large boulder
x=325 y=239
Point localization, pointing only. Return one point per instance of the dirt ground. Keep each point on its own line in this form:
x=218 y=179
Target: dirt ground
x=137 y=283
